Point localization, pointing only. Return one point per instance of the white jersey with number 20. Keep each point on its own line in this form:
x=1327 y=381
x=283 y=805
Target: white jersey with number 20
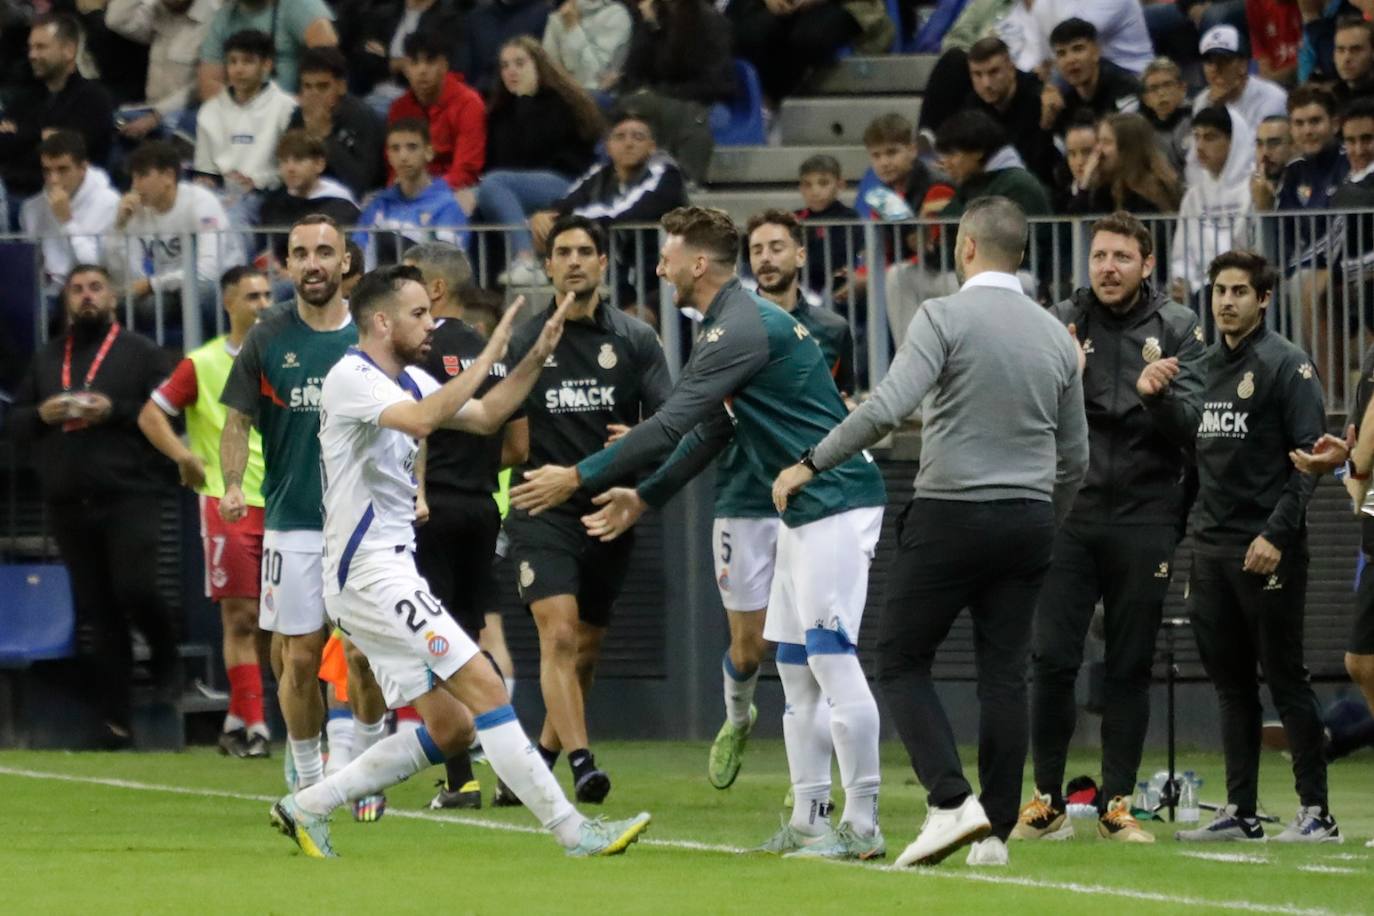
x=369 y=472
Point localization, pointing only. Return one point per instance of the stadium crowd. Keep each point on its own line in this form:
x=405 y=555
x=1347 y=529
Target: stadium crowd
x=310 y=147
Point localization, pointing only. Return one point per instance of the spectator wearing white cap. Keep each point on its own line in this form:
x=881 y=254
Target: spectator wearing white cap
x=1229 y=81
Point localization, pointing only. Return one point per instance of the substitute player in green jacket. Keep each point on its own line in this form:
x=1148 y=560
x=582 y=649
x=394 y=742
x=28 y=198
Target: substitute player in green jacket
x=756 y=375
x=233 y=550
x=744 y=534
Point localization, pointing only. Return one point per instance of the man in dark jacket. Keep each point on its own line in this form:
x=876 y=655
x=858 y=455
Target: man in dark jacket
x=639 y=185
x=1261 y=401
x=1092 y=83
x=78 y=409
x=63 y=98
x=1118 y=542
x=352 y=132
x=1012 y=99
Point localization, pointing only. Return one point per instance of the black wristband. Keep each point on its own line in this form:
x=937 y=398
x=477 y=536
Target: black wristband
x=807 y=460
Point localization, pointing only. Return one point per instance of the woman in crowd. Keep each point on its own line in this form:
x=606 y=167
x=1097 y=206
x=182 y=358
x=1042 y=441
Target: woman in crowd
x=542 y=130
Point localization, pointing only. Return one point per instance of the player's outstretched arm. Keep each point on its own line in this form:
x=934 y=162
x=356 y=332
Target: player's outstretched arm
x=486 y=415
x=157 y=429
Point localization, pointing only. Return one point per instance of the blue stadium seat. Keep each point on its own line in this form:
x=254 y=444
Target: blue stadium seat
x=928 y=36
x=36 y=618
x=740 y=123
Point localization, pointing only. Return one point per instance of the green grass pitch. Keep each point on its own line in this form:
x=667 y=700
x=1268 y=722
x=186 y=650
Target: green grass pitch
x=188 y=833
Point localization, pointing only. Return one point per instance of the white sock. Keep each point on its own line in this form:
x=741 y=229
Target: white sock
x=386 y=763
x=524 y=772
x=259 y=728
x=232 y=722
x=806 y=734
x=854 y=730
x=366 y=734
x=510 y=687
x=739 y=692
x=338 y=729
x=305 y=753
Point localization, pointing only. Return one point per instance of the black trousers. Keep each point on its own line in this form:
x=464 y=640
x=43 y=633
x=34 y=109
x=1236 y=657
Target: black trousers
x=110 y=549
x=991 y=558
x=455 y=551
x=784 y=48
x=1127 y=566
x=1242 y=621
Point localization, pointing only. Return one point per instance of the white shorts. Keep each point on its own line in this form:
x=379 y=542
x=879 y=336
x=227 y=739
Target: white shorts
x=821 y=583
x=410 y=641
x=292 y=601
x=743 y=549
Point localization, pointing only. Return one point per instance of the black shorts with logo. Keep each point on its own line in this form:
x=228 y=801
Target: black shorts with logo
x=553 y=555
x=455 y=551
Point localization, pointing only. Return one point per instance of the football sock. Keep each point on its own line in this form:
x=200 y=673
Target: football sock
x=524 y=772
x=458 y=770
x=386 y=763
x=245 y=694
x=232 y=723
x=550 y=757
x=309 y=763
x=338 y=728
x=366 y=734
x=806 y=734
x=581 y=762
x=510 y=686
x=853 y=725
x=408 y=719
x=739 y=692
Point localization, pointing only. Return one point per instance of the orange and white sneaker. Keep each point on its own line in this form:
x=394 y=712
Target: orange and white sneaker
x=1119 y=824
x=1040 y=820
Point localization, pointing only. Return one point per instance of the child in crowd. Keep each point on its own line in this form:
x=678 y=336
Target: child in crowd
x=417 y=207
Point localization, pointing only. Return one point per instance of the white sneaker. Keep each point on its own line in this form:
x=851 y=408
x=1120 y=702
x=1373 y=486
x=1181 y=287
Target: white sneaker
x=945 y=831
x=991 y=851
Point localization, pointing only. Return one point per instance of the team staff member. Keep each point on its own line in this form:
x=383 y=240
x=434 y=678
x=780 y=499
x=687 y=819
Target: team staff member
x=275 y=385
x=756 y=376
x=1261 y=400
x=607 y=373
x=1118 y=542
x=744 y=534
x=455 y=546
x=102 y=483
x=1004 y=448
x=233 y=551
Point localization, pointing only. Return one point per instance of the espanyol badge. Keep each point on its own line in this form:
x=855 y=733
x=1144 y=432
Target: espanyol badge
x=1151 y=350
x=1246 y=386
x=606 y=359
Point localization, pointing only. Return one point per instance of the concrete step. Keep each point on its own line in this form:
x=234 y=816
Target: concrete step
x=838 y=121
x=891 y=74
x=778 y=164
x=743 y=203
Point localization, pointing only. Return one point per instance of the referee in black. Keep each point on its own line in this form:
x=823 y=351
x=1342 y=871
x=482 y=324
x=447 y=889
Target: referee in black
x=455 y=547
x=1261 y=400
x=1118 y=542
x=606 y=374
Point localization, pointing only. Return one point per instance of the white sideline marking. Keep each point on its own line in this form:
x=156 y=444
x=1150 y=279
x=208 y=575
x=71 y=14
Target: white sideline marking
x=1009 y=880
x=1329 y=869
x=1227 y=857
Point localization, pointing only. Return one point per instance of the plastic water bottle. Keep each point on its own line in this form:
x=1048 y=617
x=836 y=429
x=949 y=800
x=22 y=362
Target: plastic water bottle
x=888 y=204
x=1188 y=811
x=1141 y=802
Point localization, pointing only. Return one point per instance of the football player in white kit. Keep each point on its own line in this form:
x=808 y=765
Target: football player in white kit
x=374 y=411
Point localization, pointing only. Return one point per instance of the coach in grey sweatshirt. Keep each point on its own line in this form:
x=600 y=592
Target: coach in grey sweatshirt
x=1004 y=449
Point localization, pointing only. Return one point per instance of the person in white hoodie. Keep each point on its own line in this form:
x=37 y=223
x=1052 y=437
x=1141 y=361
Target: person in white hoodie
x=152 y=222
x=237 y=131
x=1213 y=215
x=590 y=39
x=73 y=212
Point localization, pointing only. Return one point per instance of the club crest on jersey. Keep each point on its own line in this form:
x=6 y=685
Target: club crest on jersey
x=526 y=574
x=1163 y=571
x=289 y=361
x=607 y=359
x=1305 y=370
x=1151 y=351
x=436 y=643
x=1088 y=346
x=1247 y=385
x=452 y=366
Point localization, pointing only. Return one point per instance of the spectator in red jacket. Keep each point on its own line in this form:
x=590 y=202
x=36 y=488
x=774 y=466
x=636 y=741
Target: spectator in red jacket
x=455 y=113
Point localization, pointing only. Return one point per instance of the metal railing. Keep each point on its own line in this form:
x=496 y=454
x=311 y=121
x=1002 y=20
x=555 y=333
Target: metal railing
x=875 y=274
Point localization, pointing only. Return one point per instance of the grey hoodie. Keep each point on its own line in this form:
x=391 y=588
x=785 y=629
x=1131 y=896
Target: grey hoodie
x=596 y=46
